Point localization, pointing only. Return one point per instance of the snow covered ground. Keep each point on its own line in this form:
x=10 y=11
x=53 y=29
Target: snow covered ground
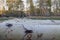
x=48 y=28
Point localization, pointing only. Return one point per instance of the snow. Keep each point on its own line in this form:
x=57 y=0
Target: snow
x=47 y=27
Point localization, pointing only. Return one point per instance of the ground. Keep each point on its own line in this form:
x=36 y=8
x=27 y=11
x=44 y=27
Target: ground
x=33 y=17
x=49 y=28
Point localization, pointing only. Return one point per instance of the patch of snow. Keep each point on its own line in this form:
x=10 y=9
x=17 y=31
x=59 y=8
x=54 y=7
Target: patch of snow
x=47 y=27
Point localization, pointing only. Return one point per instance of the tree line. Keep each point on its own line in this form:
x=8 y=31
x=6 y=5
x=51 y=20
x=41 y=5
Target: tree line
x=39 y=8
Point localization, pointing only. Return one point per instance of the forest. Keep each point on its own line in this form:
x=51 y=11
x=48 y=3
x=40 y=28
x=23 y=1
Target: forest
x=19 y=8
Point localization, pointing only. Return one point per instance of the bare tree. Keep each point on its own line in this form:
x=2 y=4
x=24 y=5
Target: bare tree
x=15 y=4
x=30 y=2
x=44 y=6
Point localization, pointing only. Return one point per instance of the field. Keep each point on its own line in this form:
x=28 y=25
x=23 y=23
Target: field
x=5 y=18
x=35 y=18
x=45 y=18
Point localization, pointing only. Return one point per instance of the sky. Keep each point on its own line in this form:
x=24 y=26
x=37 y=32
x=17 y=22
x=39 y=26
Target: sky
x=25 y=5
x=25 y=2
